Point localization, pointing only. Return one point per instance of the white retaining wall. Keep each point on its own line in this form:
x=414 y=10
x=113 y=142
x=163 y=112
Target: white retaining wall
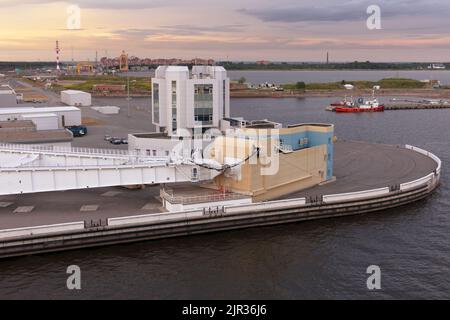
x=355 y=195
x=264 y=206
x=417 y=183
x=56 y=228
x=177 y=207
x=153 y=218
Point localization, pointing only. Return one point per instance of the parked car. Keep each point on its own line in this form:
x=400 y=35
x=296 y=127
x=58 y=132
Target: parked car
x=108 y=138
x=78 y=131
x=116 y=141
x=124 y=141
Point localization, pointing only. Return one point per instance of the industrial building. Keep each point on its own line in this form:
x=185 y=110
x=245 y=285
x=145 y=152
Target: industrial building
x=183 y=100
x=8 y=97
x=48 y=118
x=76 y=98
x=300 y=156
x=27 y=132
x=43 y=121
x=259 y=162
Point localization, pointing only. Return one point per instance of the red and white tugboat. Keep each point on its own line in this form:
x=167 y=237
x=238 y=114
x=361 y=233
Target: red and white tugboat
x=366 y=106
x=371 y=105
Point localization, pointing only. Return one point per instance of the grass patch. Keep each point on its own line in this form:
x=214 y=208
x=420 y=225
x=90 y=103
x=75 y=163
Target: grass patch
x=136 y=83
x=388 y=83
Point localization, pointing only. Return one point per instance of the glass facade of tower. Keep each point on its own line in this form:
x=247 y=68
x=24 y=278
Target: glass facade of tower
x=203 y=104
x=156 y=102
x=174 y=106
x=224 y=115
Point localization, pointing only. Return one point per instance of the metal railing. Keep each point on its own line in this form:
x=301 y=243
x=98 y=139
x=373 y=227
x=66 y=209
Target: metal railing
x=57 y=150
x=285 y=148
x=124 y=157
x=168 y=195
x=66 y=150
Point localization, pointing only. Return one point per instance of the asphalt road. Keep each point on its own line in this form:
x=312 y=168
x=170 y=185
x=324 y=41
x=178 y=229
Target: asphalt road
x=138 y=121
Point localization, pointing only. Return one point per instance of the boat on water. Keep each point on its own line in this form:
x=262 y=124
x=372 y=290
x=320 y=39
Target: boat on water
x=343 y=103
x=346 y=103
x=371 y=105
x=362 y=105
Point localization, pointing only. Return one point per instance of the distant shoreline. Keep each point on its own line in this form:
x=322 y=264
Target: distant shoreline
x=423 y=93
x=328 y=70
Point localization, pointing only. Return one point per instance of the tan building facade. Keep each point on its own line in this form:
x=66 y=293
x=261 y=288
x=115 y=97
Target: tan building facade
x=294 y=171
x=267 y=169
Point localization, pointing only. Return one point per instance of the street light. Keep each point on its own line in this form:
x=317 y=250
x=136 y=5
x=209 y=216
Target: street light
x=128 y=94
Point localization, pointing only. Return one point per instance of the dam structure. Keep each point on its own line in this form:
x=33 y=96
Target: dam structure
x=202 y=172
x=59 y=225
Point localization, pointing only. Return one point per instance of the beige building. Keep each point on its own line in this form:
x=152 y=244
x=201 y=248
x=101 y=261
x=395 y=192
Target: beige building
x=259 y=159
x=268 y=168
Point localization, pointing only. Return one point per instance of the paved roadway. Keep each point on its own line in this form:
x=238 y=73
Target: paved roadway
x=66 y=206
x=120 y=125
x=358 y=166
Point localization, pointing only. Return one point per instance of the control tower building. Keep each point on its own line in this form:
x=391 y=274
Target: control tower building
x=183 y=100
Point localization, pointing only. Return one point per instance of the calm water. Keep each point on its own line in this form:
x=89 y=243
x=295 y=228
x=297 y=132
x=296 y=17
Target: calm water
x=319 y=259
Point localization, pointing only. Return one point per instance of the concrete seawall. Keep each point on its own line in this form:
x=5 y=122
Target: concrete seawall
x=25 y=241
x=415 y=106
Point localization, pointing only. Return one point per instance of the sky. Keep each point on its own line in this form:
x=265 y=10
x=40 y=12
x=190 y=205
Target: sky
x=239 y=30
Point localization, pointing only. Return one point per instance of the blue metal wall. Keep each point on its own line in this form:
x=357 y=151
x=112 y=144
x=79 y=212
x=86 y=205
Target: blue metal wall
x=313 y=138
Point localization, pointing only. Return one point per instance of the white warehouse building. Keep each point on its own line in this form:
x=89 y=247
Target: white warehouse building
x=76 y=98
x=49 y=118
x=43 y=121
x=8 y=97
x=186 y=100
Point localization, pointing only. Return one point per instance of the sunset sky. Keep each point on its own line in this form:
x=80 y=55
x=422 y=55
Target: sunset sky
x=282 y=30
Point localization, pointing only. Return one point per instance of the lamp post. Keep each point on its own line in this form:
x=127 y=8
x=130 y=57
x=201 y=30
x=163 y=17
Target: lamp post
x=128 y=95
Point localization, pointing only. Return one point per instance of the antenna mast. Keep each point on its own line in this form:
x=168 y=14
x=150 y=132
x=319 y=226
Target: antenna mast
x=58 y=50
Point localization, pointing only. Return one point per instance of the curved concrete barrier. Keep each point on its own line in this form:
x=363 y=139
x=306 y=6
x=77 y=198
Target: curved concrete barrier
x=428 y=154
x=264 y=206
x=353 y=196
x=417 y=183
x=154 y=218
